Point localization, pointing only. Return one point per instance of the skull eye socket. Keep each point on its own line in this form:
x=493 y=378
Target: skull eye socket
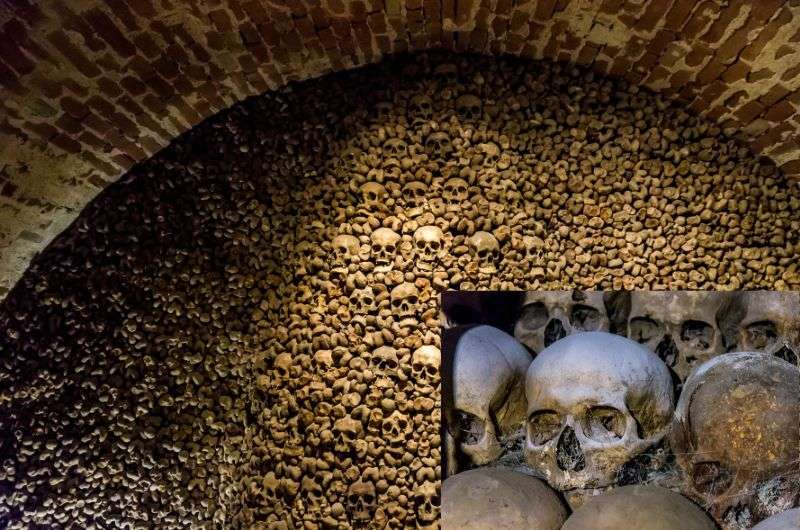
x=543 y=426
x=469 y=428
x=604 y=423
x=376 y=248
x=534 y=316
x=697 y=333
x=761 y=335
x=643 y=329
x=710 y=478
x=585 y=318
x=412 y=300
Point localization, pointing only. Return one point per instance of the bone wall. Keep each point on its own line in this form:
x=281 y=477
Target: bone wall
x=239 y=333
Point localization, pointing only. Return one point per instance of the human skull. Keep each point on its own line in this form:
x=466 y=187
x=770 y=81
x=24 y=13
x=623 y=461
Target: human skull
x=447 y=72
x=415 y=196
x=643 y=507
x=771 y=324
x=426 y=503
x=396 y=429
x=736 y=434
x=384 y=360
x=595 y=400
x=425 y=362
x=345 y=249
x=491 y=154
x=681 y=327
x=363 y=300
x=421 y=109
x=404 y=299
x=429 y=241
x=394 y=151
x=438 y=145
x=548 y=316
x=361 y=501
x=486 y=250
x=372 y=194
x=469 y=107
x=346 y=431
x=384 y=248
x=284 y=369
x=455 y=193
x=488 y=401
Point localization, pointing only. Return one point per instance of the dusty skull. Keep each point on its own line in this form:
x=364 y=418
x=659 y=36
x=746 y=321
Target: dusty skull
x=421 y=109
x=771 y=324
x=736 y=434
x=426 y=503
x=455 y=193
x=363 y=300
x=394 y=150
x=438 y=145
x=488 y=400
x=384 y=360
x=345 y=249
x=425 y=363
x=429 y=241
x=548 y=316
x=485 y=250
x=372 y=194
x=682 y=327
x=469 y=107
x=361 y=501
x=404 y=299
x=595 y=400
x=491 y=154
x=415 y=196
x=346 y=431
x=384 y=248
x=396 y=429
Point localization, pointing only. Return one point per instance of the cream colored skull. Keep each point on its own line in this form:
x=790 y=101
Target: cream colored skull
x=345 y=249
x=438 y=145
x=469 y=107
x=429 y=241
x=455 y=193
x=361 y=501
x=426 y=503
x=425 y=363
x=363 y=301
x=415 y=196
x=384 y=360
x=595 y=401
x=404 y=299
x=372 y=194
x=771 y=324
x=384 y=248
x=421 y=109
x=485 y=250
x=346 y=432
x=396 y=430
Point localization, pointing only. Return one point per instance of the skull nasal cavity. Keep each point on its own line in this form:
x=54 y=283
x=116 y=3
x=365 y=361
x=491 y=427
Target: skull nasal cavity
x=569 y=455
x=553 y=332
x=667 y=351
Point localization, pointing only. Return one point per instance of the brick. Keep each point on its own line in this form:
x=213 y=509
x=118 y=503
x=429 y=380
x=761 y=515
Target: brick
x=751 y=51
x=735 y=72
x=110 y=33
x=66 y=143
x=679 y=14
x=544 y=10
x=653 y=14
x=13 y=56
x=721 y=25
x=749 y=112
x=221 y=20
x=74 y=108
x=774 y=95
x=73 y=54
x=780 y=111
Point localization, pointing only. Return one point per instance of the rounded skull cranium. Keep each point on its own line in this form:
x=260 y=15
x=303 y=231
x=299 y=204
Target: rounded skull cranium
x=485 y=249
x=384 y=248
x=595 y=400
x=429 y=241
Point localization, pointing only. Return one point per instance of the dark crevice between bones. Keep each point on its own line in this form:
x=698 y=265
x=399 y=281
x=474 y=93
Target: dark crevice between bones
x=569 y=455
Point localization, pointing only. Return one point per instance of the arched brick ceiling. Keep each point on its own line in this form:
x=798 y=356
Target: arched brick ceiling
x=89 y=88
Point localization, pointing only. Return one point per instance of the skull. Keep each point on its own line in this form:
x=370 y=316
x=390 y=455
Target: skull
x=363 y=300
x=361 y=501
x=486 y=250
x=372 y=194
x=426 y=503
x=736 y=434
x=455 y=193
x=425 y=363
x=469 y=107
x=485 y=498
x=428 y=240
x=394 y=150
x=415 y=196
x=641 y=507
x=384 y=248
x=548 y=316
x=396 y=428
x=346 y=432
x=384 y=360
x=284 y=368
x=311 y=493
x=595 y=400
x=682 y=327
x=771 y=324
x=491 y=154
x=438 y=145
x=488 y=404
x=421 y=108
x=447 y=72
x=346 y=249
x=404 y=299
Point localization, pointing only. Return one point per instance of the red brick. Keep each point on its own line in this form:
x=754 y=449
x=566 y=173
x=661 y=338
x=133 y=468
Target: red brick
x=73 y=54
x=774 y=95
x=144 y=8
x=791 y=167
x=780 y=111
x=735 y=72
x=544 y=10
x=720 y=26
x=123 y=13
x=68 y=124
x=66 y=143
x=653 y=14
x=751 y=52
x=749 y=112
x=679 y=14
x=110 y=33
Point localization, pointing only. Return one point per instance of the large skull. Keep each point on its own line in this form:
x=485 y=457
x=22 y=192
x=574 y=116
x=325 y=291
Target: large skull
x=736 y=435
x=469 y=107
x=404 y=299
x=429 y=243
x=485 y=250
x=498 y=498
x=595 y=400
x=488 y=394
x=384 y=248
x=682 y=327
x=548 y=316
x=425 y=363
x=361 y=501
x=771 y=324
x=345 y=249
x=455 y=193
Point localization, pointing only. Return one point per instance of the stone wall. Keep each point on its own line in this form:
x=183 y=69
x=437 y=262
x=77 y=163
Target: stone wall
x=244 y=330
x=89 y=88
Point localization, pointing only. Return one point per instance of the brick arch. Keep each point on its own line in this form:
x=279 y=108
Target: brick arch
x=88 y=89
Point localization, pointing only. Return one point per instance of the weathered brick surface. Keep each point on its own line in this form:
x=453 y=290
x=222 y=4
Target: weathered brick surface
x=89 y=88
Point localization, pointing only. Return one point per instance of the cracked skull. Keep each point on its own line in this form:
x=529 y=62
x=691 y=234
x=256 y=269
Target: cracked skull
x=485 y=249
x=595 y=400
x=736 y=434
x=488 y=394
x=361 y=501
x=384 y=248
x=372 y=194
x=683 y=328
x=548 y=316
x=429 y=243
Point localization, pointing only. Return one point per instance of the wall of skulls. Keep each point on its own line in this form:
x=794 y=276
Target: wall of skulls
x=243 y=331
